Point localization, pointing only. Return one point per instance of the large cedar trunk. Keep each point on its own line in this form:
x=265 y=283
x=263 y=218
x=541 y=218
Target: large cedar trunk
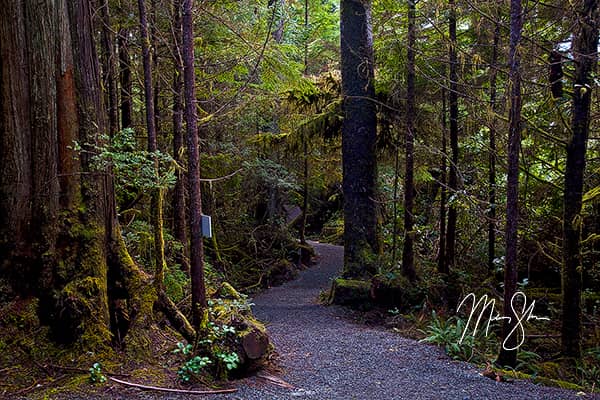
x=358 y=140
x=59 y=237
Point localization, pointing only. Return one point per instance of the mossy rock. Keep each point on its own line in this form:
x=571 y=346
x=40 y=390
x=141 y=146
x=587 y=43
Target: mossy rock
x=351 y=292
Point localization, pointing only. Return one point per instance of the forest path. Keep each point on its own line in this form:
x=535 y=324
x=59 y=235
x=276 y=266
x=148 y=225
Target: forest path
x=324 y=355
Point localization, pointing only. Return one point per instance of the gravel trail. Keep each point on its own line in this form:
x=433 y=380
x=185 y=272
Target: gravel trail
x=325 y=356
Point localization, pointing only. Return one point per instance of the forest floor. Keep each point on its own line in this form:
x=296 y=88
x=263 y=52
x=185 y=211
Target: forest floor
x=323 y=354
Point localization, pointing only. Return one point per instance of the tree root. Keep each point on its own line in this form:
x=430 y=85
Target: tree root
x=161 y=389
x=175 y=317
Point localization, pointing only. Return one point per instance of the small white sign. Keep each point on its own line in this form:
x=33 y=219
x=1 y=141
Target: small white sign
x=206 y=226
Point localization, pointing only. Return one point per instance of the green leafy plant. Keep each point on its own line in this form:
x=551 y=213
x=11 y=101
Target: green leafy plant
x=527 y=361
x=394 y=311
x=192 y=367
x=215 y=347
x=448 y=334
x=185 y=349
x=230 y=360
x=96 y=375
x=133 y=169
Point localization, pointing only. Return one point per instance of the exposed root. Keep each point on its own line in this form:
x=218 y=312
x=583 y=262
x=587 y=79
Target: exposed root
x=161 y=389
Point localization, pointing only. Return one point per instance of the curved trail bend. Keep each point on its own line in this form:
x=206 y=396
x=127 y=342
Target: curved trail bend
x=325 y=356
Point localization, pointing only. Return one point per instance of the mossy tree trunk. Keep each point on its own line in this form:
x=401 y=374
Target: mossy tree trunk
x=585 y=50
x=59 y=237
x=156 y=202
x=361 y=242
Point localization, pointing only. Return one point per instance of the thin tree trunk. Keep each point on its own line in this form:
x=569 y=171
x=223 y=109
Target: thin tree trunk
x=442 y=262
x=197 y=249
x=304 y=192
x=361 y=242
x=125 y=79
x=156 y=195
x=585 y=51
x=408 y=262
x=306 y=16
x=508 y=353
x=492 y=153
x=155 y=67
x=453 y=104
x=108 y=68
x=305 y=152
x=278 y=32
x=178 y=144
x=395 y=201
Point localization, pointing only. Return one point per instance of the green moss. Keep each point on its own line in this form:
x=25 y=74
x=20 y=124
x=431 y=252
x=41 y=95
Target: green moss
x=351 y=292
x=365 y=264
x=226 y=291
x=355 y=284
x=542 y=380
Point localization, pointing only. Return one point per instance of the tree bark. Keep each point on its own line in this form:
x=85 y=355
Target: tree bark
x=408 y=261
x=305 y=170
x=453 y=176
x=109 y=81
x=179 y=224
x=191 y=119
x=442 y=263
x=508 y=353
x=585 y=51
x=492 y=152
x=125 y=79
x=361 y=242
x=157 y=194
x=65 y=248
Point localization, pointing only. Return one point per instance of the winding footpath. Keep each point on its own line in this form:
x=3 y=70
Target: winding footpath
x=323 y=355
